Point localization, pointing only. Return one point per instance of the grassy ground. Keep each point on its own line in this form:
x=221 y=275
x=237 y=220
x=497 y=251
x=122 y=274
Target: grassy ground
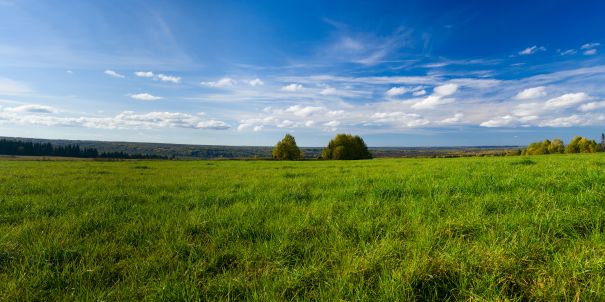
x=519 y=228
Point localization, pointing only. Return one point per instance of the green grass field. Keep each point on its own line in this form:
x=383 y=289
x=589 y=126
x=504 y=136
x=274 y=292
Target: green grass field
x=518 y=228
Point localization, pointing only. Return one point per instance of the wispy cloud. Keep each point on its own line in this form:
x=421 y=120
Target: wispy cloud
x=145 y=97
x=532 y=50
x=292 y=87
x=114 y=74
x=221 y=83
x=167 y=78
x=144 y=74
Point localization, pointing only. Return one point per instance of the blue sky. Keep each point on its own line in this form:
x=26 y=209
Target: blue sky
x=418 y=73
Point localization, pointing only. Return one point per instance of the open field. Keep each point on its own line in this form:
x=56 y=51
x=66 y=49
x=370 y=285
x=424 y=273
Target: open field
x=519 y=228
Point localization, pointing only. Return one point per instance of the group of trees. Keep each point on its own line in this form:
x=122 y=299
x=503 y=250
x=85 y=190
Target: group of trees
x=577 y=145
x=343 y=146
x=15 y=147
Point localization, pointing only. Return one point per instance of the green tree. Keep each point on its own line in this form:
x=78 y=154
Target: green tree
x=556 y=146
x=346 y=146
x=581 y=145
x=286 y=149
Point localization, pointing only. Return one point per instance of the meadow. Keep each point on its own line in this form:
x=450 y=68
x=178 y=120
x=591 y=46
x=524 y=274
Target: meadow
x=483 y=228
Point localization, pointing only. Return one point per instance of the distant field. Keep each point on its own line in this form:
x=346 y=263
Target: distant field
x=497 y=228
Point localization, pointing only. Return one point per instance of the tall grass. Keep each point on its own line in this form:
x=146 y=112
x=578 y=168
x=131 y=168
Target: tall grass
x=408 y=229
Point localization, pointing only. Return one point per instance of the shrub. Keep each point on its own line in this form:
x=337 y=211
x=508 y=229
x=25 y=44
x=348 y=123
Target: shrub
x=286 y=149
x=346 y=146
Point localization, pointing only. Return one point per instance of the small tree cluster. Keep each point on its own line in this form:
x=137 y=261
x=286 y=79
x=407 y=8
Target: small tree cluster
x=286 y=149
x=577 y=145
x=346 y=146
x=581 y=145
x=546 y=147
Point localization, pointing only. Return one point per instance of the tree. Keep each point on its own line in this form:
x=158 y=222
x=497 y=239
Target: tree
x=286 y=149
x=556 y=146
x=346 y=146
x=581 y=145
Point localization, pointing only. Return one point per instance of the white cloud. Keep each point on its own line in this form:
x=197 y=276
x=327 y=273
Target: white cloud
x=438 y=97
x=12 y=87
x=286 y=124
x=328 y=91
x=532 y=50
x=167 y=78
x=590 y=45
x=457 y=118
x=445 y=90
x=590 y=52
x=304 y=111
x=500 y=122
x=69 y=72
x=256 y=82
x=144 y=74
x=395 y=91
x=400 y=119
x=212 y=124
x=145 y=97
x=114 y=74
x=419 y=92
x=221 y=83
x=41 y=115
x=567 y=100
x=292 y=87
x=531 y=93
x=32 y=108
x=592 y=106
x=569 y=121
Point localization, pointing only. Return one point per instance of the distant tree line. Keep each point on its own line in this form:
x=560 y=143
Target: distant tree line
x=14 y=147
x=577 y=145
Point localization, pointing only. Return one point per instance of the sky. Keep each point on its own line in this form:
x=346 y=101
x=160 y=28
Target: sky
x=405 y=73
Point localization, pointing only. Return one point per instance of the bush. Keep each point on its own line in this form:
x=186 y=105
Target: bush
x=346 y=146
x=286 y=149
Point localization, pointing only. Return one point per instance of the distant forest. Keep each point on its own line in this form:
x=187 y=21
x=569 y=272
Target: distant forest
x=17 y=147
x=135 y=150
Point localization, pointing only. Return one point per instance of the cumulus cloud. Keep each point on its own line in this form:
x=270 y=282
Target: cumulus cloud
x=145 y=97
x=256 y=82
x=144 y=74
x=114 y=74
x=592 y=106
x=304 y=111
x=560 y=102
x=212 y=124
x=438 y=97
x=503 y=121
x=221 y=83
x=167 y=78
x=531 y=93
x=48 y=116
x=532 y=50
x=292 y=87
x=400 y=119
x=395 y=91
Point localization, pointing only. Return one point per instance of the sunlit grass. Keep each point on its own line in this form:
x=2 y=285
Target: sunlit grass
x=410 y=229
